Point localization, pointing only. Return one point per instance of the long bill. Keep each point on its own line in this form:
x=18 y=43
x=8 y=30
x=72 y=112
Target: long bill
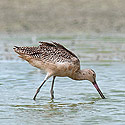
x=98 y=89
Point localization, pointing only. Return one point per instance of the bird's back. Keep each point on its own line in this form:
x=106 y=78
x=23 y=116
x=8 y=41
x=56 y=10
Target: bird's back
x=49 y=56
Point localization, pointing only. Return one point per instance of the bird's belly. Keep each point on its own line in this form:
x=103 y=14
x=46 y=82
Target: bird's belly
x=56 y=69
x=62 y=73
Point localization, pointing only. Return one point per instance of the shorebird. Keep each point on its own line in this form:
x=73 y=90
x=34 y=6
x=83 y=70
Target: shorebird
x=56 y=60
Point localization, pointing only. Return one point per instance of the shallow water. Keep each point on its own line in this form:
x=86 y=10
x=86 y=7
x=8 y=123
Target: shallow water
x=76 y=102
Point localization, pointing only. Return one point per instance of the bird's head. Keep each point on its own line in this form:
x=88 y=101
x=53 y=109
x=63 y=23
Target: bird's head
x=89 y=74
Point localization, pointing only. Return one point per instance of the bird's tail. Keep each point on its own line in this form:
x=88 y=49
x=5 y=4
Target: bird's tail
x=25 y=50
x=17 y=49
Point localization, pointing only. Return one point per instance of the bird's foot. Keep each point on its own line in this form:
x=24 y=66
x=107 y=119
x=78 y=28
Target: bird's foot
x=52 y=94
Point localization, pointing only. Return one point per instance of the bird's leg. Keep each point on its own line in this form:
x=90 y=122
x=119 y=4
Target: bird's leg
x=51 y=91
x=38 y=90
x=47 y=76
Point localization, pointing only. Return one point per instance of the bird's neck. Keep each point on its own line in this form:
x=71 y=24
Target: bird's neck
x=80 y=75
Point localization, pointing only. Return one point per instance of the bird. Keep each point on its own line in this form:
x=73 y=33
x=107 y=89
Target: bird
x=57 y=61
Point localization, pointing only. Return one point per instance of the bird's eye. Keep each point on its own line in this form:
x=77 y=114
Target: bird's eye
x=83 y=74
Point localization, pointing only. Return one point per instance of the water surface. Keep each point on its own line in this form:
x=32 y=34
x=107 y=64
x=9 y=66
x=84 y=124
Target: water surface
x=76 y=102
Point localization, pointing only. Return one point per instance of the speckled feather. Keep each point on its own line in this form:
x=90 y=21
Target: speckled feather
x=48 y=52
x=53 y=58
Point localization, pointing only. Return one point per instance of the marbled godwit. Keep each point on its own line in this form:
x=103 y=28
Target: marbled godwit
x=56 y=60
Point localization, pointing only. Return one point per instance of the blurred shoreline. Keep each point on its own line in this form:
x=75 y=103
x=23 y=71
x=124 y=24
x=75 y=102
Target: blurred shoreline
x=62 y=17
x=93 y=29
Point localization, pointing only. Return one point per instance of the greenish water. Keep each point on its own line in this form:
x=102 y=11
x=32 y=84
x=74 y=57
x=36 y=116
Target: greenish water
x=76 y=102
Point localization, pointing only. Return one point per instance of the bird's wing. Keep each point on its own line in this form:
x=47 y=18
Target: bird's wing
x=49 y=52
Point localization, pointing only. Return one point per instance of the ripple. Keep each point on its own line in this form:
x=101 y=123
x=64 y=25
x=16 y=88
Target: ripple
x=75 y=102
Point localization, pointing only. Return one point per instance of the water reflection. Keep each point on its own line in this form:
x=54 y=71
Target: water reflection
x=52 y=109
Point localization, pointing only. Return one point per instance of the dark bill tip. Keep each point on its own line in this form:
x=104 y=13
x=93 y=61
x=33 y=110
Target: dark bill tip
x=98 y=89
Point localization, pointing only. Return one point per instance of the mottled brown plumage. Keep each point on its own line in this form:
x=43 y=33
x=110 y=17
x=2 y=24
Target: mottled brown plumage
x=51 y=57
x=56 y=60
x=48 y=52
